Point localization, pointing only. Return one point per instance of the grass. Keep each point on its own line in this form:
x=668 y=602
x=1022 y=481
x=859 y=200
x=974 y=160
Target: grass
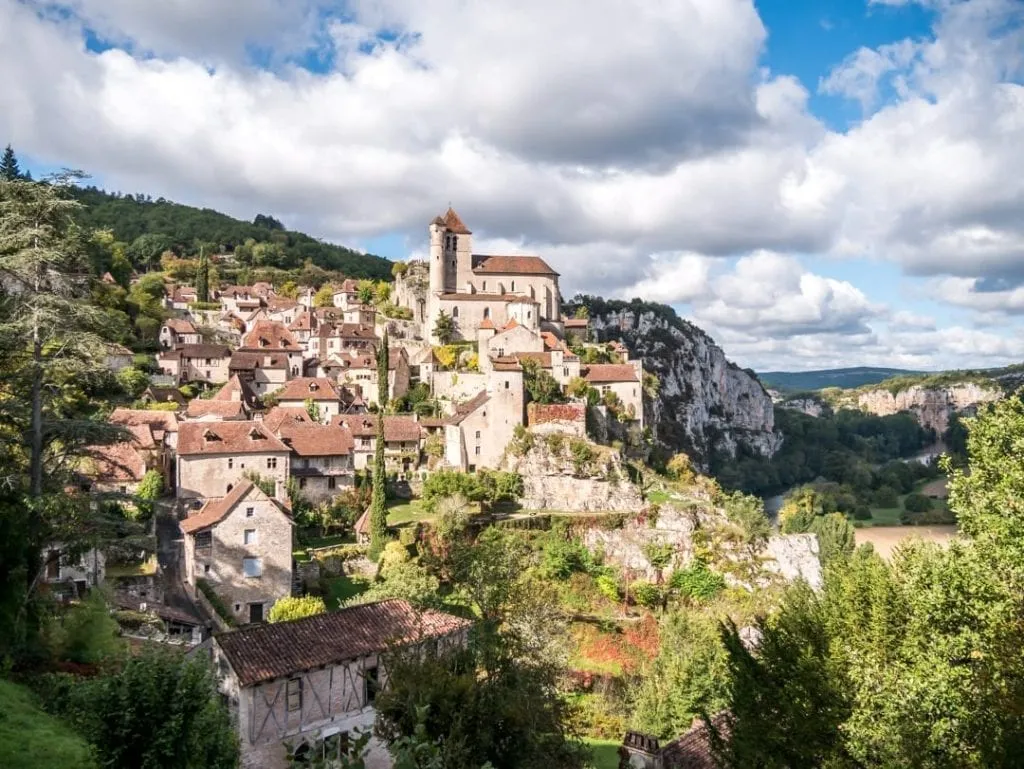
x=339 y=589
x=604 y=754
x=890 y=516
x=400 y=513
x=146 y=568
x=32 y=739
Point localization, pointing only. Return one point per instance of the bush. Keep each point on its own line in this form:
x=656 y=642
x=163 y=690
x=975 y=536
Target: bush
x=582 y=454
x=168 y=406
x=608 y=586
x=886 y=497
x=917 y=503
x=296 y=607
x=562 y=558
x=89 y=634
x=555 y=443
x=697 y=583
x=646 y=594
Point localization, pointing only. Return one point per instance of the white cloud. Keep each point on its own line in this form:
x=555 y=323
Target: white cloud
x=632 y=145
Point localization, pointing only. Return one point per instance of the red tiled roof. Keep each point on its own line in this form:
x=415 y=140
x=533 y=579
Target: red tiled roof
x=396 y=428
x=162 y=420
x=270 y=335
x=237 y=390
x=463 y=410
x=486 y=323
x=610 y=372
x=542 y=359
x=304 y=321
x=355 y=331
x=279 y=303
x=118 y=461
x=489 y=264
x=216 y=510
x=311 y=440
x=302 y=388
x=222 y=409
x=454 y=223
x=203 y=350
x=180 y=326
x=506 y=363
x=552 y=342
x=246 y=360
x=265 y=652
x=197 y=438
x=280 y=416
x=575 y=322
x=512 y=323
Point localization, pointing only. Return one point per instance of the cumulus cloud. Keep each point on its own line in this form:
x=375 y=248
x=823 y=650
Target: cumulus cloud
x=632 y=145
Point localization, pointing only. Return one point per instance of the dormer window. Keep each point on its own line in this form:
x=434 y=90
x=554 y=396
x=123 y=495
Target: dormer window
x=255 y=435
x=313 y=387
x=210 y=435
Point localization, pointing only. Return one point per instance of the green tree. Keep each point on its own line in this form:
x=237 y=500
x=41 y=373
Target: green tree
x=365 y=292
x=540 y=385
x=444 y=328
x=324 y=297
x=289 y=290
x=88 y=634
x=296 y=607
x=9 y=169
x=116 y=714
x=383 y=359
x=836 y=537
x=203 y=278
x=312 y=409
x=151 y=487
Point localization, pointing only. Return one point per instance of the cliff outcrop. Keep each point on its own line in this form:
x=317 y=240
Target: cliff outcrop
x=933 y=406
x=570 y=474
x=705 y=403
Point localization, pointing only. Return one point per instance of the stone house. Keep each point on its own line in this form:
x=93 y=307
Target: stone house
x=200 y=410
x=478 y=432
x=330 y=398
x=330 y=339
x=576 y=329
x=241 y=545
x=181 y=297
x=304 y=326
x=623 y=379
x=403 y=441
x=359 y=315
x=262 y=372
x=118 y=357
x=160 y=394
x=322 y=461
x=271 y=337
x=562 y=366
x=357 y=370
x=178 y=331
x=283 y=310
x=514 y=337
x=163 y=425
x=347 y=294
x=312 y=682
x=196 y=363
x=213 y=457
x=118 y=468
x=70 y=573
x=239 y=299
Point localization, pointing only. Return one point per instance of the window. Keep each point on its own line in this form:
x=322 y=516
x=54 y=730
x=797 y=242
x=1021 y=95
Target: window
x=513 y=286
x=206 y=568
x=293 y=694
x=477 y=451
x=231 y=463
x=478 y=434
x=506 y=384
x=483 y=287
x=204 y=539
x=529 y=314
x=252 y=567
x=249 y=512
x=455 y=312
x=249 y=537
x=364 y=442
x=271 y=463
x=255 y=612
x=331 y=483
x=302 y=483
x=487 y=312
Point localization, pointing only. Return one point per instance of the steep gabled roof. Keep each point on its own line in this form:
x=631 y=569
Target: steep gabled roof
x=265 y=652
x=312 y=440
x=116 y=462
x=282 y=416
x=157 y=420
x=180 y=326
x=216 y=510
x=198 y=438
x=463 y=410
x=203 y=350
x=302 y=388
x=396 y=428
x=494 y=264
x=198 y=408
x=270 y=335
x=238 y=390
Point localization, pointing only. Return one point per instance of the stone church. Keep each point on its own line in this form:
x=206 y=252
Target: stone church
x=476 y=288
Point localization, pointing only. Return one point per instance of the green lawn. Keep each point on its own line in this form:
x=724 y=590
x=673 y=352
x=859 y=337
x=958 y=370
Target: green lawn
x=337 y=590
x=890 y=516
x=400 y=513
x=604 y=753
x=32 y=739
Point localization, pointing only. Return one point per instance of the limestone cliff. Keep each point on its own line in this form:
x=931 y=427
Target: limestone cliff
x=933 y=406
x=571 y=474
x=705 y=404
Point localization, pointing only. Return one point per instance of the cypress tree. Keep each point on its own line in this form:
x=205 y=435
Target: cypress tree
x=203 y=278
x=9 y=168
x=378 y=500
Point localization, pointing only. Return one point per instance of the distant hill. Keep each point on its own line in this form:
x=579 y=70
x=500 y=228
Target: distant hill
x=149 y=226
x=801 y=381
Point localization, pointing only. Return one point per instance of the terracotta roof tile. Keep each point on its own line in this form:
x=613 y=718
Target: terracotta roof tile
x=246 y=360
x=162 y=420
x=180 y=326
x=454 y=223
x=575 y=322
x=165 y=395
x=197 y=438
x=265 y=652
x=238 y=390
x=311 y=440
x=486 y=323
x=269 y=334
x=552 y=342
x=216 y=510
x=203 y=350
x=213 y=408
x=284 y=415
x=116 y=462
x=610 y=372
x=303 y=388
x=490 y=264
x=463 y=410
x=396 y=428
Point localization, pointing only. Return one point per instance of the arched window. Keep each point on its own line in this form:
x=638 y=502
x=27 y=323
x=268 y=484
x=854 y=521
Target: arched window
x=487 y=312
x=455 y=312
x=455 y=242
x=533 y=294
x=513 y=286
x=483 y=286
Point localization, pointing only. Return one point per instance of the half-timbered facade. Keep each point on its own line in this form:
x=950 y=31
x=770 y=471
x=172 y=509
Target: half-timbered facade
x=309 y=683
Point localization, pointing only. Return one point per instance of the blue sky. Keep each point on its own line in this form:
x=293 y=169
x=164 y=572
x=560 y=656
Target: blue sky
x=814 y=183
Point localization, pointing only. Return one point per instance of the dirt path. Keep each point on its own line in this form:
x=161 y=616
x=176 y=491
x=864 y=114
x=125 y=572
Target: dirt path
x=885 y=538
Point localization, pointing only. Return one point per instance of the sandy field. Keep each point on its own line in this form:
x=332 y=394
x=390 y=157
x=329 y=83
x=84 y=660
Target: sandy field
x=885 y=538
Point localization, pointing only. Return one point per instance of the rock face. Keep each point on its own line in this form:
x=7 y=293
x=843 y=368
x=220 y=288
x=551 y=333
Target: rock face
x=933 y=407
x=812 y=407
x=705 y=404
x=553 y=480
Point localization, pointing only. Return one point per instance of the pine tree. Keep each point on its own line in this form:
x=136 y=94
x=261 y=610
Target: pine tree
x=378 y=501
x=9 y=169
x=203 y=278
x=51 y=343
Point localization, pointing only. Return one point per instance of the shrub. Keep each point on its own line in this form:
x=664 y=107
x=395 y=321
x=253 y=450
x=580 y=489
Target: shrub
x=679 y=468
x=216 y=601
x=555 y=443
x=562 y=558
x=886 y=496
x=296 y=607
x=608 y=586
x=89 y=633
x=168 y=406
x=697 y=583
x=582 y=454
x=646 y=594
x=917 y=503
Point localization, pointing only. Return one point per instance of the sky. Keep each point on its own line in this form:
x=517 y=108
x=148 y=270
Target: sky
x=816 y=183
